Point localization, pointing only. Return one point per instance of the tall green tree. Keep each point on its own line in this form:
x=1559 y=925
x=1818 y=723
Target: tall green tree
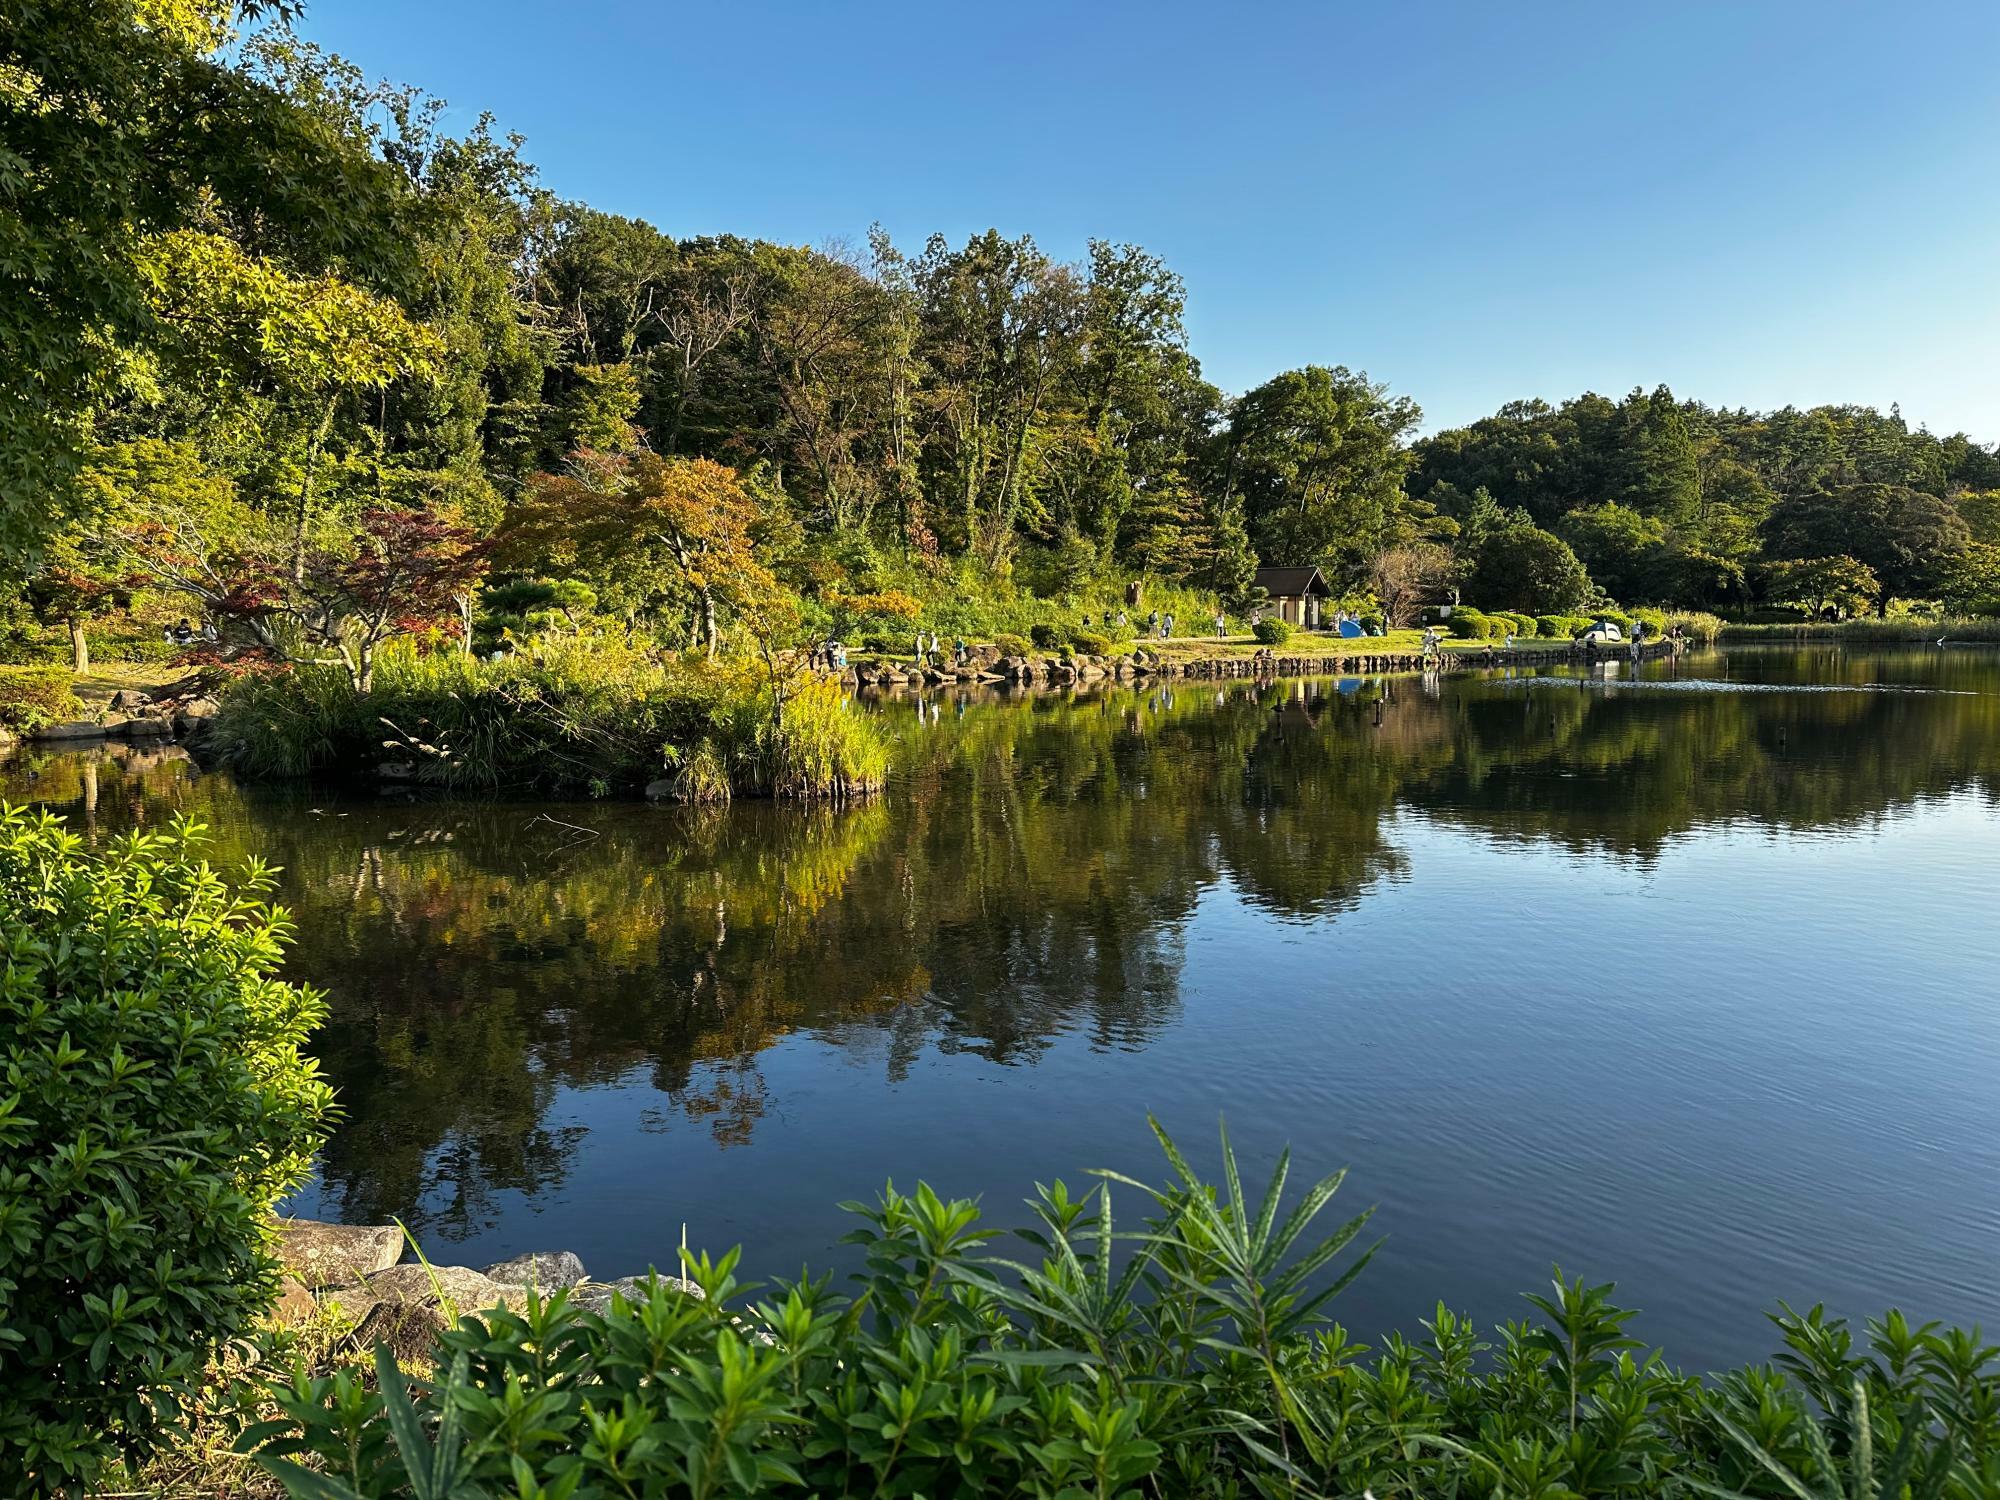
x=120 y=121
x=1522 y=567
x=1909 y=539
x=1318 y=456
x=1625 y=550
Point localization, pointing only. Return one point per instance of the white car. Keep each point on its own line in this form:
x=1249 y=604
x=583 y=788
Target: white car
x=1603 y=633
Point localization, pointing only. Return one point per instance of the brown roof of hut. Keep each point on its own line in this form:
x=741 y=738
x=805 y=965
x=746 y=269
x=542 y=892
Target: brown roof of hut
x=1292 y=583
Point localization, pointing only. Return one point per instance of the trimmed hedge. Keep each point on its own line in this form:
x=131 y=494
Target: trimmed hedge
x=1271 y=632
x=1012 y=645
x=1561 y=627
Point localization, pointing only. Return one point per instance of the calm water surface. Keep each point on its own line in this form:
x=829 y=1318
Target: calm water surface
x=1690 y=982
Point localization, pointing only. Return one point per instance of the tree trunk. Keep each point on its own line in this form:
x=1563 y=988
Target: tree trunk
x=306 y=492
x=79 y=648
x=703 y=595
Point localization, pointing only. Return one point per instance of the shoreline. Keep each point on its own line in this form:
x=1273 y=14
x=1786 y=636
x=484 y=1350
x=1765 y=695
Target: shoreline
x=989 y=669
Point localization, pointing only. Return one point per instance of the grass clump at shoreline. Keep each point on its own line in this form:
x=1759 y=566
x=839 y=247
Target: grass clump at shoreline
x=587 y=715
x=1980 y=630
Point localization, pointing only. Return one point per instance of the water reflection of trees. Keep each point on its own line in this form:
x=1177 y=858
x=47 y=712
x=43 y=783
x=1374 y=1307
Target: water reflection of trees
x=1028 y=878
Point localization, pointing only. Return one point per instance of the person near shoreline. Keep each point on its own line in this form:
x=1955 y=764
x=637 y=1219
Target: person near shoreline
x=1166 y=626
x=1221 y=625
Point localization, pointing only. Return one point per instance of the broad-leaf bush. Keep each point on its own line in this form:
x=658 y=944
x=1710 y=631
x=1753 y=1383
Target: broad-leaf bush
x=1192 y=1357
x=154 y=1105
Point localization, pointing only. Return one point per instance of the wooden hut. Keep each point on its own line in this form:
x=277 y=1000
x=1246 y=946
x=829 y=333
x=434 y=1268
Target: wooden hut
x=1296 y=594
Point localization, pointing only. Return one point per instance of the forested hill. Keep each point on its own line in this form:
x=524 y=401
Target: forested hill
x=245 y=281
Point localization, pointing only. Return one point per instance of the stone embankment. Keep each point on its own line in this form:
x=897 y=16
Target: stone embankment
x=987 y=665
x=404 y=1302
x=136 y=715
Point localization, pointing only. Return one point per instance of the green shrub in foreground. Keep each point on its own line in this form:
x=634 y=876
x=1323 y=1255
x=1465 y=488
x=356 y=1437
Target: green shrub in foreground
x=1191 y=1358
x=33 y=697
x=1011 y=645
x=153 y=1107
x=1090 y=643
x=1271 y=632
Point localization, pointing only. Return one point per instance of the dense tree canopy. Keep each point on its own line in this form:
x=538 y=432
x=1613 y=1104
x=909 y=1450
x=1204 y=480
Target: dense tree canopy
x=258 y=298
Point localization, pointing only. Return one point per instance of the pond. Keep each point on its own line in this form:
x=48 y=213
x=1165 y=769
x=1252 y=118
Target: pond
x=1689 y=981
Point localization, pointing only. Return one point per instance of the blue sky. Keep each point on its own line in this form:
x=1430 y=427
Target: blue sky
x=1758 y=203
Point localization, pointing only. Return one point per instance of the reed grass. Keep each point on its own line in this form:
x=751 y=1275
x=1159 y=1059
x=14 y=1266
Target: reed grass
x=576 y=715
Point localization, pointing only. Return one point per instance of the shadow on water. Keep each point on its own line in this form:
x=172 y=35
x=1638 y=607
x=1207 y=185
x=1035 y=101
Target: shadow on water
x=525 y=995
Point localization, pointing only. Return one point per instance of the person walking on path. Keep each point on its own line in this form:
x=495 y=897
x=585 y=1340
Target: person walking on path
x=1221 y=625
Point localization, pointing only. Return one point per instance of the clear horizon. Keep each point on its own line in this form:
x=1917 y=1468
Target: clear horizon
x=1794 y=205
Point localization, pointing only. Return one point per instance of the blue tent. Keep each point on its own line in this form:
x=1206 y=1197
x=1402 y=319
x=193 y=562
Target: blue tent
x=1350 y=630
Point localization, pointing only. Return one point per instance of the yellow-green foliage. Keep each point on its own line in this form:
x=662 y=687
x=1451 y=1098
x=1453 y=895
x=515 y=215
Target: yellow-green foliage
x=31 y=697
x=1697 y=626
x=963 y=599
x=821 y=747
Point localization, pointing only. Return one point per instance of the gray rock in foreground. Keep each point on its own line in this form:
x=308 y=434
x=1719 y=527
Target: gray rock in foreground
x=337 y=1254
x=80 y=729
x=544 y=1270
x=595 y=1296
x=432 y=1286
